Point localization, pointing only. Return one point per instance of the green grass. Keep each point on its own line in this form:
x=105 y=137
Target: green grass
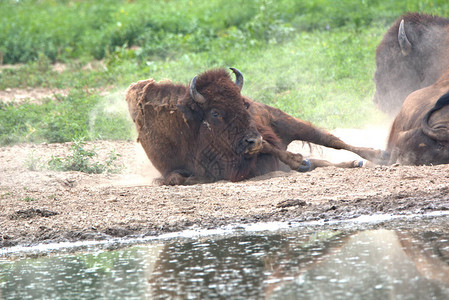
x=80 y=159
x=83 y=160
x=312 y=59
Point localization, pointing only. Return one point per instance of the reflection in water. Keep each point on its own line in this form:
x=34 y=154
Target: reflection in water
x=103 y=275
x=396 y=262
x=369 y=265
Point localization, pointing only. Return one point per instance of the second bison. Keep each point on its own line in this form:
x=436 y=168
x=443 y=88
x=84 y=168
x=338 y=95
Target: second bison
x=413 y=54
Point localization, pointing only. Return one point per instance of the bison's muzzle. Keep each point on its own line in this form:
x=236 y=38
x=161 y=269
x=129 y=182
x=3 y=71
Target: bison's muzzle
x=253 y=145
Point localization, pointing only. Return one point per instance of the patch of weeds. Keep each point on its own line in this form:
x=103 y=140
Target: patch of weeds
x=32 y=162
x=4 y=195
x=29 y=199
x=83 y=160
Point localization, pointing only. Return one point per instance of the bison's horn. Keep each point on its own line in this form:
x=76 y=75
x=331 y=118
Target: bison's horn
x=404 y=43
x=238 y=78
x=194 y=93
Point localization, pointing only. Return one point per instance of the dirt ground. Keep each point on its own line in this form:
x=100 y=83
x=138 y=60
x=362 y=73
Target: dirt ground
x=30 y=95
x=50 y=206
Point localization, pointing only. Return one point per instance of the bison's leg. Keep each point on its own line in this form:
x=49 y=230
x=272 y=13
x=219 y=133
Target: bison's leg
x=178 y=177
x=289 y=129
x=318 y=163
x=297 y=162
x=293 y=160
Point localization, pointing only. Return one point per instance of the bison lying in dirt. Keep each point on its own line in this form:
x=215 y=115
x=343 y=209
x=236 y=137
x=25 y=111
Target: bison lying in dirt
x=420 y=133
x=413 y=54
x=208 y=131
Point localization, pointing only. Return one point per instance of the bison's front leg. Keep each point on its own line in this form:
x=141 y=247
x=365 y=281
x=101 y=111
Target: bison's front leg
x=298 y=163
x=294 y=160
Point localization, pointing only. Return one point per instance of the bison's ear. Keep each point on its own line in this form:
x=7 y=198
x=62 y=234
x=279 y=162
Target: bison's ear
x=191 y=110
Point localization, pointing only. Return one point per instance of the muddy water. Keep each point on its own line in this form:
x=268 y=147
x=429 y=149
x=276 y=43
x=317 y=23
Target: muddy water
x=387 y=259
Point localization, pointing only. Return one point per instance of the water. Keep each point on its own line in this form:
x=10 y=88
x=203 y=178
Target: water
x=395 y=259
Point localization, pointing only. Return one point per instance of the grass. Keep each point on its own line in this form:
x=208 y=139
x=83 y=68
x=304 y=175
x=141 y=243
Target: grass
x=29 y=199
x=80 y=159
x=33 y=163
x=312 y=59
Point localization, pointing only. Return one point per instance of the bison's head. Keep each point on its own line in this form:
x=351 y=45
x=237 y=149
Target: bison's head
x=413 y=54
x=418 y=148
x=227 y=138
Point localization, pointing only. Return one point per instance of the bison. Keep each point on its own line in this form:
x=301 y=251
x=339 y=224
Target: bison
x=413 y=54
x=420 y=132
x=208 y=131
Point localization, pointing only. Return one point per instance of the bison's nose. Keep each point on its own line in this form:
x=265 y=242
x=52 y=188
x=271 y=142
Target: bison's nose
x=254 y=144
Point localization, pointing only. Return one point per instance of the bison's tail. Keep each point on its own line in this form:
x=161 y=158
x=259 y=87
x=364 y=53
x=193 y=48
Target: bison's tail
x=440 y=133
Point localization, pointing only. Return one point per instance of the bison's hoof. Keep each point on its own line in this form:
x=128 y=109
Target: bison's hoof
x=358 y=164
x=385 y=155
x=294 y=160
x=305 y=166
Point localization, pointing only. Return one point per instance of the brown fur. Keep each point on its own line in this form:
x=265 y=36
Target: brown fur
x=419 y=132
x=190 y=142
x=397 y=75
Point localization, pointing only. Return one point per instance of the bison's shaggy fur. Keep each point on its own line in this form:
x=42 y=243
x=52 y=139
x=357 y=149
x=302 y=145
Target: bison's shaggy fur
x=208 y=131
x=420 y=132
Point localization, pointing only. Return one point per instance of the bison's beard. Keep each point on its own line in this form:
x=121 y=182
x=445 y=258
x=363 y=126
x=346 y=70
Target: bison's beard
x=242 y=169
x=215 y=164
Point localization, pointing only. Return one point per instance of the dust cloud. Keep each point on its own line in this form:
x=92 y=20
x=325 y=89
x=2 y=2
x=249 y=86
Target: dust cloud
x=138 y=169
x=111 y=105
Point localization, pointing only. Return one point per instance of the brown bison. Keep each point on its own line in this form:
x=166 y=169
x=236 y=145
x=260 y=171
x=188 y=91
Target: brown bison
x=420 y=133
x=208 y=131
x=413 y=54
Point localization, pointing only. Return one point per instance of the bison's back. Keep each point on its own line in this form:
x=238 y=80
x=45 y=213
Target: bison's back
x=411 y=132
x=161 y=128
x=418 y=103
x=157 y=94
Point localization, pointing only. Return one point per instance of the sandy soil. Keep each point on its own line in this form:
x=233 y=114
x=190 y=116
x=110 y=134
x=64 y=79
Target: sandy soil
x=49 y=206
x=30 y=95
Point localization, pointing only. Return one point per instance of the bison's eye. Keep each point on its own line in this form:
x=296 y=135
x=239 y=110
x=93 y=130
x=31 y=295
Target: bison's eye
x=215 y=114
x=246 y=105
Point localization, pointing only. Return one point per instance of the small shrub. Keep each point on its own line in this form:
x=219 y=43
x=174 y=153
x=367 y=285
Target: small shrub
x=82 y=160
x=33 y=163
x=29 y=199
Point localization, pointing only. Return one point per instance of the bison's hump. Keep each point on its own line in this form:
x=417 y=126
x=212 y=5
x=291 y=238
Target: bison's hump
x=157 y=94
